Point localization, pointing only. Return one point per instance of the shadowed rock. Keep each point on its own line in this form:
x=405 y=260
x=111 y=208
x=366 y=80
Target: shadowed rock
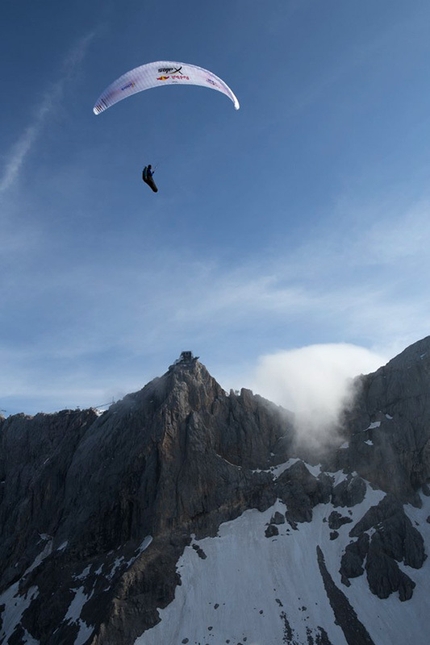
x=301 y=491
x=336 y=520
x=349 y=492
x=394 y=540
x=388 y=426
x=353 y=558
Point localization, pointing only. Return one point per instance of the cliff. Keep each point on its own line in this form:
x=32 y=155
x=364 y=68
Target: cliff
x=96 y=510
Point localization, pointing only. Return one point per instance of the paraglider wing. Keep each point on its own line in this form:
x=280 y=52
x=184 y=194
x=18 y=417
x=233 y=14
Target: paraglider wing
x=158 y=74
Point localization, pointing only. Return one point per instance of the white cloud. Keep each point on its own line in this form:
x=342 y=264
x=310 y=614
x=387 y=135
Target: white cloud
x=314 y=383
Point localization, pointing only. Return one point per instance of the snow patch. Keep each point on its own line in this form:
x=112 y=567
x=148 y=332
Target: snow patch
x=84 y=573
x=278 y=470
x=314 y=470
x=15 y=606
x=127 y=563
x=229 y=462
x=74 y=616
x=373 y=425
x=28 y=639
x=39 y=559
x=145 y=544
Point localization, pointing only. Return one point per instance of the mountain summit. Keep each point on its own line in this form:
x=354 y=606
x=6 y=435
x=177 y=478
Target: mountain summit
x=185 y=514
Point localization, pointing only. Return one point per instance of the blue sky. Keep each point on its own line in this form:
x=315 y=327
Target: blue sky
x=302 y=220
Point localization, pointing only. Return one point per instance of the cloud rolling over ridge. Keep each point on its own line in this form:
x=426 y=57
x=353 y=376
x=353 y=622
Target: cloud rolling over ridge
x=315 y=383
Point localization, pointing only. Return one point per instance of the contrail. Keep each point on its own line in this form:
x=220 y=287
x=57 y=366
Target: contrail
x=49 y=102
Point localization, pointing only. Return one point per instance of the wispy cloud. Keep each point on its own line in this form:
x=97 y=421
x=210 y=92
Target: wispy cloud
x=50 y=101
x=351 y=289
x=23 y=146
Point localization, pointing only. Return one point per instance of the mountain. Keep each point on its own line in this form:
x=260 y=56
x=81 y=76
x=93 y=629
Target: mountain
x=185 y=514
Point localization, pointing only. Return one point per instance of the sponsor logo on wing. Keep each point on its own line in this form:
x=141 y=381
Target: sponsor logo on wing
x=169 y=70
x=212 y=82
x=131 y=84
x=174 y=77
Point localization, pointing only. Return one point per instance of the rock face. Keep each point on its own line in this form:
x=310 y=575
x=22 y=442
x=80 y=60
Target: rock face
x=393 y=540
x=104 y=505
x=388 y=427
x=80 y=490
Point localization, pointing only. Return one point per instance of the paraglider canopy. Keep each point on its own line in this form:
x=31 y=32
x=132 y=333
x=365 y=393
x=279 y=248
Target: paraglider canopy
x=157 y=74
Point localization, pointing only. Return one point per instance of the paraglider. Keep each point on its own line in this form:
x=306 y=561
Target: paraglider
x=158 y=74
x=147 y=177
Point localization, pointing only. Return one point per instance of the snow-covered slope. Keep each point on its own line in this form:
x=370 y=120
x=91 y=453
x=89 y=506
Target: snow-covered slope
x=243 y=587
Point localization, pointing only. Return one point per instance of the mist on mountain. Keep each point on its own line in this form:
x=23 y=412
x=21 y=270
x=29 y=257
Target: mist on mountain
x=317 y=384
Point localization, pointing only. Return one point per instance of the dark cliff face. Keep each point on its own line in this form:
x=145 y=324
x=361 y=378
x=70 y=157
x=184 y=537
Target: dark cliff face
x=389 y=425
x=177 y=457
x=35 y=457
x=114 y=499
x=167 y=456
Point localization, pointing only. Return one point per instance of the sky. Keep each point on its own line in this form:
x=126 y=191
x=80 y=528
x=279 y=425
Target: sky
x=297 y=223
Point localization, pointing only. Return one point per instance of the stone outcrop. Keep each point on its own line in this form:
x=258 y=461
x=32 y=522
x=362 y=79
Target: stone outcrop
x=336 y=520
x=301 y=491
x=393 y=539
x=349 y=492
x=353 y=558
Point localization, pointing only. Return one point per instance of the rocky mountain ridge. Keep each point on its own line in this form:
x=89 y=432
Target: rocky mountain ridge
x=97 y=510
